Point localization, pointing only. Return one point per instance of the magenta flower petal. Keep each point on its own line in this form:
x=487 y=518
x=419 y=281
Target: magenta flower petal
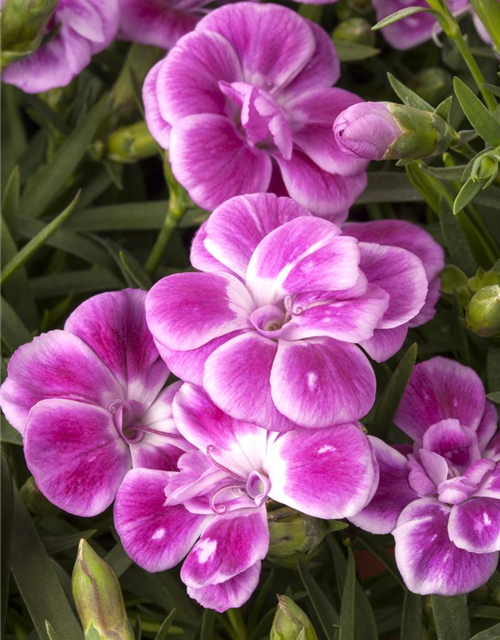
x=475 y=525
x=227 y=547
x=429 y=562
x=324 y=194
x=440 y=389
x=157 y=22
x=306 y=254
x=488 y=425
x=209 y=145
x=230 y=594
x=55 y=364
x=312 y=116
x=271 y=41
x=454 y=442
x=114 y=327
x=157 y=125
x=188 y=310
x=319 y=382
x=327 y=473
x=393 y=493
x=155 y=536
x=401 y=274
x=75 y=454
x=216 y=247
x=230 y=380
x=384 y=343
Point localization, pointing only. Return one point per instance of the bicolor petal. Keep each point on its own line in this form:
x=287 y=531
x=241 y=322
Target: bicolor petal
x=475 y=525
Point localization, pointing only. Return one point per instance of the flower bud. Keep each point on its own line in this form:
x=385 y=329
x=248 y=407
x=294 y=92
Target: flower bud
x=356 y=30
x=483 y=312
x=485 y=167
x=34 y=500
x=131 y=143
x=290 y=622
x=388 y=131
x=98 y=598
x=292 y=532
x=433 y=85
x=23 y=25
x=482 y=279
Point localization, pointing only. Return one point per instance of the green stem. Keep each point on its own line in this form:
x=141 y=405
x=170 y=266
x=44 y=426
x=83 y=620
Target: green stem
x=237 y=623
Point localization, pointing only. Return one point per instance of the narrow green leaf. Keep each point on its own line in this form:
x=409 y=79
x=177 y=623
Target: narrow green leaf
x=493 y=633
x=81 y=281
x=370 y=542
x=477 y=114
x=443 y=109
x=48 y=114
x=399 y=15
x=55 y=544
x=348 y=610
x=10 y=198
x=325 y=611
x=492 y=88
x=488 y=12
x=388 y=186
x=489 y=198
x=137 y=629
x=13 y=133
x=53 y=635
x=451 y=617
x=391 y=397
x=9 y=434
x=162 y=633
x=37 y=581
x=456 y=240
x=46 y=184
x=408 y=96
x=37 y=242
x=136 y=274
x=494 y=397
x=207 y=625
x=264 y=591
x=6 y=522
x=449 y=174
x=353 y=51
x=118 y=560
x=493 y=369
x=411 y=620
x=466 y=194
x=484 y=611
x=14 y=333
x=131 y=216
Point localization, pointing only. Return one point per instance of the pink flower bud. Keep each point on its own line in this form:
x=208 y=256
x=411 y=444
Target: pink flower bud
x=366 y=130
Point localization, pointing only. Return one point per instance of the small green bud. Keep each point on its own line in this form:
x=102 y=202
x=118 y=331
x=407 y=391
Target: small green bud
x=131 y=143
x=23 y=26
x=483 y=312
x=356 y=30
x=485 y=167
x=433 y=84
x=293 y=532
x=424 y=133
x=483 y=279
x=98 y=598
x=34 y=500
x=290 y=622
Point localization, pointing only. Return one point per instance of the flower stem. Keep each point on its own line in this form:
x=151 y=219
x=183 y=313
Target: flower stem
x=237 y=623
x=176 y=210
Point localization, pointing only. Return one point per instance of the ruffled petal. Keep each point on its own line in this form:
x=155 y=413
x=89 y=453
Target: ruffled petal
x=231 y=594
x=475 y=525
x=75 y=454
x=214 y=163
x=393 y=493
x=321 y=382
x=454 y=442
x=158 y=127
x=326 y=473
x=439 y=389
x=155 y=536
x=55 y=365
x=427 y=559
x=187 y=310
x=385 y=342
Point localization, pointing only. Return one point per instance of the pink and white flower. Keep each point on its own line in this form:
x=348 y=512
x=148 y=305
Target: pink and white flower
x=90 y=403
x=441 y=500
x=213 y=510
x=245 y=104
x=270 y=326
x=85 y=27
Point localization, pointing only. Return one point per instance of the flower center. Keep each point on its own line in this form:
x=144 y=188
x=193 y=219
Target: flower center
x=271 y=319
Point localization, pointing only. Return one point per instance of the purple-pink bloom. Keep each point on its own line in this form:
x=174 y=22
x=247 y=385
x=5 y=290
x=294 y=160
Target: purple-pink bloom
x=85 y=27
x=159 y=22
x=245 y=104
x=441 y=500
x=269 y=327
x=366 y=130
x=405 y=235
x=90 y=403
x=416 y=29
x=213 y=510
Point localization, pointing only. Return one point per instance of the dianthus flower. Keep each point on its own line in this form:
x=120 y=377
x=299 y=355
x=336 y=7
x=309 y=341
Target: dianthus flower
x=420 y=27
x=441 y=499
x=270 y=329
x=82 y=29
x=245 y=104
x=220 y=492
x=89 y=403
x=159 y=22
